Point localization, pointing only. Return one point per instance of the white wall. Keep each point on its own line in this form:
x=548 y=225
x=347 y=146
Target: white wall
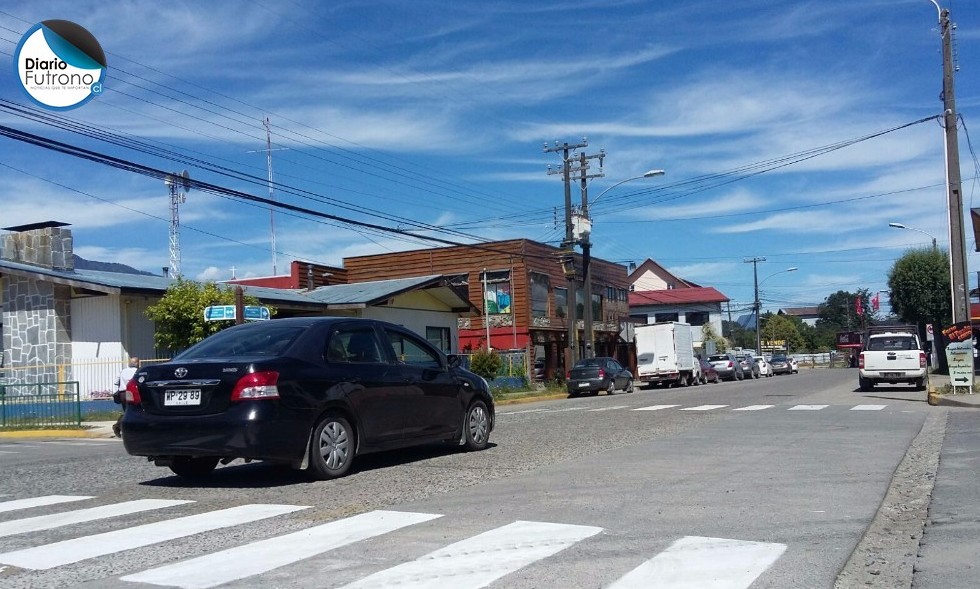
x=417 y=320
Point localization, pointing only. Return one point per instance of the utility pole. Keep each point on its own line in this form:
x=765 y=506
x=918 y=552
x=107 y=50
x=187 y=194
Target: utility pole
x=568 y=244
x=585 y=226
x=756 y=306
x=957 y=240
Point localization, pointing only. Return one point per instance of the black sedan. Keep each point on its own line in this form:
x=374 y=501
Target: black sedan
x=591 y=375
x=309 y=392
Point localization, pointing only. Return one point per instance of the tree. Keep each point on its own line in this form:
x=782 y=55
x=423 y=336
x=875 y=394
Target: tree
x=920 y=290
x=839 y=311
x=179 y=315
x=486 y=363
x=783 y=328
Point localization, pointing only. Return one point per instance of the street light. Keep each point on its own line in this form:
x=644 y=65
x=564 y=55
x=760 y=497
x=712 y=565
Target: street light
x=587 y=318
x=648 y=174
x=758 y=305
x=901 y=226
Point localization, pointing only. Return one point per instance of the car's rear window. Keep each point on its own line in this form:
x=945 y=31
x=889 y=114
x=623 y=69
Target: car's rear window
x=878 y=344
x=268 y=341
x=717 y=358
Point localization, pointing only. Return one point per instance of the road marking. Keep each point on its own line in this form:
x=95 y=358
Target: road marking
x=703 y=408
x=706 y=563
x=57 y=520
x=65 y=443
x=263 y=556
x=6 y=452
x=566 y=409
x=57 y=554
x=754 y=408
x=525 y=411
x=610 y=408
x=808 y=407
x=868 y=407
x=16 y=504
x=18 y=446
x=480 y=560
x=655 y=407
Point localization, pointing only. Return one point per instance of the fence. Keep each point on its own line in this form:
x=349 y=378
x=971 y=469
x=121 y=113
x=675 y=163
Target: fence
x=95 y=378
x=42 y=404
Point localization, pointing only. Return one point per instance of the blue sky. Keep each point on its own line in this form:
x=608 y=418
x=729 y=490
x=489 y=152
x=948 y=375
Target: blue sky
x=431 y=117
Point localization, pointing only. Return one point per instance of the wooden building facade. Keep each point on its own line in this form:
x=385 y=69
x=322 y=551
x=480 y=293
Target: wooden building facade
x=521 y=287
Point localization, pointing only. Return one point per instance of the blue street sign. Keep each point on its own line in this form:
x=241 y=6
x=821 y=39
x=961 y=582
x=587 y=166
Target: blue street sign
x=253 y=313
x=219 y=313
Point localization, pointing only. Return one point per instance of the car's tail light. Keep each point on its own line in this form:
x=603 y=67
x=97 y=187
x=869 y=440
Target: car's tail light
x=730 y=365
x=922 y=359
x=861 y=361
x=256 y=385
x=133 y=392
x=568 y=375
x=602 y=373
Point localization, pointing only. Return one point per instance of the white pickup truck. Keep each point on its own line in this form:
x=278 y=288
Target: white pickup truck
x=893 y=356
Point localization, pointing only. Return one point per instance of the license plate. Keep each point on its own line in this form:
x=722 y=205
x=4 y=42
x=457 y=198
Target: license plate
x=182 y=397
x=583 y=384
x=893 y=374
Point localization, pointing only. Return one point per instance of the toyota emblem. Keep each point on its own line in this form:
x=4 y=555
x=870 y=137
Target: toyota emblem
x=180 y=372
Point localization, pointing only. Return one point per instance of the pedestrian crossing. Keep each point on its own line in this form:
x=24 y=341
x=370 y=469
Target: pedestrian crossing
x=470 y=563
x=698 y=408
x=34 y=444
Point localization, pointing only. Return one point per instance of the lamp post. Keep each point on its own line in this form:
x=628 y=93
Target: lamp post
x=902 y=226
x=758 y=305
x=587 y=318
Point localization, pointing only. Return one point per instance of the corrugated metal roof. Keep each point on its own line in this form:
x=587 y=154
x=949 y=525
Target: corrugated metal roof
x=675 y=296
x=370 y=292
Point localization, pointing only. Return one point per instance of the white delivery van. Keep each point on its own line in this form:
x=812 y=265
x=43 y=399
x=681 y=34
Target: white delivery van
x=665 y=354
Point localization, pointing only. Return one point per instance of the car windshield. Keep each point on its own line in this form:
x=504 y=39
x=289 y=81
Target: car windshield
x=269 y=340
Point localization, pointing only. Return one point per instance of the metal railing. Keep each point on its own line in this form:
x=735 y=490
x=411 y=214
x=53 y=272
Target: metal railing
x=40 y=405
x=95 y=377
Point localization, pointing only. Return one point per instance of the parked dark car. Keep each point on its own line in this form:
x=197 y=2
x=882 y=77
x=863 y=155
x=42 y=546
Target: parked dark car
x=309 y=392
x=780 y=364
x=591 y=375
x=727 y=366
x=708 y=372
x=749 y=367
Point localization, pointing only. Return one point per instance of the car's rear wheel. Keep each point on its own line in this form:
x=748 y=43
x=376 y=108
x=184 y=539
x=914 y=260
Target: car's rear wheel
x=611 y=389
x=476 y=428
x=193 y=467
x=865 y=384
x=629 y=386
x=332 y=449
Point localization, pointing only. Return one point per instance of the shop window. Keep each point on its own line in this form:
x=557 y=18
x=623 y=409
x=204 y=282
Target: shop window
x=561 y=302
x=540 y=285
x=496 y=293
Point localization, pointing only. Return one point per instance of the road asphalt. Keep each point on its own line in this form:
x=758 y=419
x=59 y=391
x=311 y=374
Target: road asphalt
x=948 y=553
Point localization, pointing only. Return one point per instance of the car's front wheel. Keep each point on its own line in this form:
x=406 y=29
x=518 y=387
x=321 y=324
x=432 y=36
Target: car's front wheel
x=629 y=386
x=193 y=467
x=476 y=428
x=332 y=448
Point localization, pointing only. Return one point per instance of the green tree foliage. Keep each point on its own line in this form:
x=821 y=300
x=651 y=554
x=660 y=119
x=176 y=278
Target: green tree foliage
x=179 y=315
x=838 y=311
x=919 y=287
x=785 y=328
x=486 y=363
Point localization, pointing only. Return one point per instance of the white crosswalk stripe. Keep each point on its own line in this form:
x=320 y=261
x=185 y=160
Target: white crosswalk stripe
x=704 y=408
x=807 y=407
x=715 y=563
x=754 y=408
x=868 y=407
x=57 y=554
x=480 y=560
x=609 y=408
x=655 y=407
x=57 y=520
x=17 y=504
x=260 y=557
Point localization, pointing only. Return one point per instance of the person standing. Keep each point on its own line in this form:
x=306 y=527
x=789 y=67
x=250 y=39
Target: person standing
x=125 y=375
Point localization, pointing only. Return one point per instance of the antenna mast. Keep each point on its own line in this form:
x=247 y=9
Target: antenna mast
x=272 y=214
x=178 y=184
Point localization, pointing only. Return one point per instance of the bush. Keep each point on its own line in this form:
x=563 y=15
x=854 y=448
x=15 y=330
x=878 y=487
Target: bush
x=486 y=363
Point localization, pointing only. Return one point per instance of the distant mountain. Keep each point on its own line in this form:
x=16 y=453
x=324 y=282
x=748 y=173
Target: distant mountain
x=83 y=264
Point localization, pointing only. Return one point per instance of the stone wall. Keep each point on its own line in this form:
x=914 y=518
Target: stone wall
x=36 y=312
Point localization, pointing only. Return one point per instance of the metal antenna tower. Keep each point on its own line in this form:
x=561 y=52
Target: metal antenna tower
x=179 y=185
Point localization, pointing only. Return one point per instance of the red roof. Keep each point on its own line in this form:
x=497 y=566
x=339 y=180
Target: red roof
x=675 y=296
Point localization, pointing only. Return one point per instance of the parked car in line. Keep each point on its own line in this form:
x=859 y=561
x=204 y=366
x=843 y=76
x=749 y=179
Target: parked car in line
x=794 y=364
x=539 y=369
x=309 y=392
x=708 y=372
x=764 y=368
x=591 y=375
x=749 y=367
x=727 y=366
x=780 y=364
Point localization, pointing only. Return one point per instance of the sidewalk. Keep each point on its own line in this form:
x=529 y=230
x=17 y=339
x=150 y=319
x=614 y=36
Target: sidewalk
x=90 y=429
x=940 y=382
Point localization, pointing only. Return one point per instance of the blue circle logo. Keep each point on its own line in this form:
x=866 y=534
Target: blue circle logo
x=60 y=65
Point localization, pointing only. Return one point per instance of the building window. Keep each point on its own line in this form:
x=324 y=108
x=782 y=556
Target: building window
x=540 y=285
x=697 y=317
x=439 y=337
x=662 y=317
x=596 y=306
x=496 y=294
x=561 y=302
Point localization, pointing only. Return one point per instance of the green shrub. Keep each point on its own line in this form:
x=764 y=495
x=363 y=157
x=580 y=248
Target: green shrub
x=486 y=363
